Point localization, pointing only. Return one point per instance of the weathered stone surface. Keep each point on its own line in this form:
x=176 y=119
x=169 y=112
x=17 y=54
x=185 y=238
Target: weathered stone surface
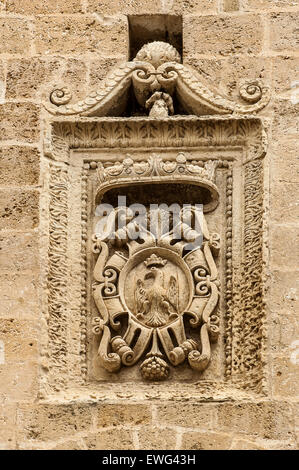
x=285 y=76
x=285 y=119
x=268 y=420
x=20 y=340
x=156 y=438
x=19 y=122
x=18 y=252
x=19 y=209
x=231 y=5
x=69 y=35
x=111 y=439
x=285 y=196
x=46 y=422
x=137 y=7
x=15 y=35
x=206 y=441
x=7 y=426
x=285 y=372
x=99 y=69
x=70 y=445
x=222 y=35
x=284 y=164
x=20 y=295
x=19 y=382
x=27 y=78
x=283 y=31
x=20 y=166
x=113 y=7
x=244 y=444
x=123 y=415
x=267 y=5
x=283 y=303
x=197 y=415
x=288 y=249
x=43 y=7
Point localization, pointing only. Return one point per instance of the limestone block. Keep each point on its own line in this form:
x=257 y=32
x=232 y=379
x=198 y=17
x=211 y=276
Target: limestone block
x=284 y=330
x=123 y=414
x=156 y=438
x=19 y=296
x=99 y=69
x=137 y=7
x=275 y=444
x=7 y=426
x=283 y=304
x=285 y=372
x=244 y=444
x=253 y=5
x=18 y=252
x=19 y=121
x=286 y=119
x=110 y=439
x=42 y=7
x=15 y=36
x=27 y=78
x=222 y=34
x=284 y=31
x=133 y=7
x=51 y=421
x=206 y=441
x=20 y=165
x=231 y=5
x=285 y=76
x=69 y=35
x=283 y=247
x=199 y=415
x=2 y=81
x=268 y=420
x=183 y=7
x=284 y=198
x=284 y=162
x=70 y=445
x=19 y=382
x=19 y=338
x=19 y=209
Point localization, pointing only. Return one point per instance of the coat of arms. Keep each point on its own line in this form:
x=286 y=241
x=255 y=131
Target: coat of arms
x=158 y=284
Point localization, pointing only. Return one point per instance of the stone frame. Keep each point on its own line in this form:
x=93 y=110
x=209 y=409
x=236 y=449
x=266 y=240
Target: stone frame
x=64 y=366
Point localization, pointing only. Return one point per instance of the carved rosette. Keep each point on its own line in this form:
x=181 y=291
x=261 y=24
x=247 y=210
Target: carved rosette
x=159 y=289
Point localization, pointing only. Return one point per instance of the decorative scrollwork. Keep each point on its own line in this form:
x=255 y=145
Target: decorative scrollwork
x=157 y=68
x=155 y=287
x=251 y=91
x=60 y=96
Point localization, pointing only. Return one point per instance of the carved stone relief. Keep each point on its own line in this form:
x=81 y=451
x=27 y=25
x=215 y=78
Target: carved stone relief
x=154 y=279
x=157 y=77
x=158 y=302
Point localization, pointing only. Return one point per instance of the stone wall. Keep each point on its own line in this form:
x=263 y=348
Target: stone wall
x=77 y=42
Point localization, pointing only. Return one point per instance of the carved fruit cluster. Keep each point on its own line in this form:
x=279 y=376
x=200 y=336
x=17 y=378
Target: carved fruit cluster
x=154 y=368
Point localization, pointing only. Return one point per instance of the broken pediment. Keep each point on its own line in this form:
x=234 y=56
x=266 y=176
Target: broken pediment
x=157 y=84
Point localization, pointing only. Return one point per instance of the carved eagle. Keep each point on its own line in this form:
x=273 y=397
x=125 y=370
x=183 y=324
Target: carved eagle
x=155 y=304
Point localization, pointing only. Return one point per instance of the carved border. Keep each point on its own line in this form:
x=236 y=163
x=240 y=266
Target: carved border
x=178 y=132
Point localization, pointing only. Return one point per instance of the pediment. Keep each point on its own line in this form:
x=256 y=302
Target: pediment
x=161 y=85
